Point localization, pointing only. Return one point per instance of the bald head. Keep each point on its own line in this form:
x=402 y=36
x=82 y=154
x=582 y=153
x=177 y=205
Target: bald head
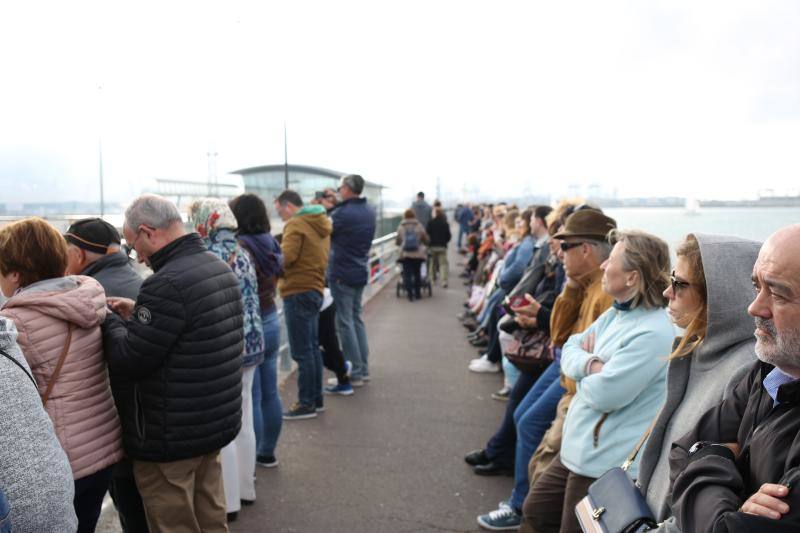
x=776 y=307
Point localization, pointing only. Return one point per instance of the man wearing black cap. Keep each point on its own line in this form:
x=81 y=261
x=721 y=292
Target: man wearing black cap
x=94 y=250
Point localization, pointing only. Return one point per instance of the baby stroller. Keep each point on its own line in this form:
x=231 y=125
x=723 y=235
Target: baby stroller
x=425 y=281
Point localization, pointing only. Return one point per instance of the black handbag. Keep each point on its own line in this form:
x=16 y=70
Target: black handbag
x=614 y=503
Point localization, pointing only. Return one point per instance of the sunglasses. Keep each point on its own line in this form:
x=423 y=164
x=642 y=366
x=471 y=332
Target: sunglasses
x=677 y=284
x=569 y=245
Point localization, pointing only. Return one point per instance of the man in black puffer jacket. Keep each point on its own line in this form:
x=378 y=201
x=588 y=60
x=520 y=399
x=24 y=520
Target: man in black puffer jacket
x=175 y=362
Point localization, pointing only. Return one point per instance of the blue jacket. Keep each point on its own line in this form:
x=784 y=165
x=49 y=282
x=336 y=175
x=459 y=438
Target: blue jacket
x=353 y=231
x=464 y=216
x=516 y=261
x=614 y=407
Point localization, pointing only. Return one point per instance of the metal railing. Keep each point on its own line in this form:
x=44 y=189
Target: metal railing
x=381 y=270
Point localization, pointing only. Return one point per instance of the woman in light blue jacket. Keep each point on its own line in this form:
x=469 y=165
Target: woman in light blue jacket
x=619 y=364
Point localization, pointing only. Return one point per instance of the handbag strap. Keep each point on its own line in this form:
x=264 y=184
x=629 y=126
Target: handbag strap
x=7 y=356
x=60 y=363
x=632 y=457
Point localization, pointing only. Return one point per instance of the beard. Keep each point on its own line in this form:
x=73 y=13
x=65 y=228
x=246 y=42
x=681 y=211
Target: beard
x=781 y=349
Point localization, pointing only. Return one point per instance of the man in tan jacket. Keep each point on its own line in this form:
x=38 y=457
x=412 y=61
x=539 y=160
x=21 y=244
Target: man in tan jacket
x=305 y=245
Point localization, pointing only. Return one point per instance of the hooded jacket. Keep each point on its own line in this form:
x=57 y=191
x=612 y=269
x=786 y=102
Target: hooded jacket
x=353 y=231
x=176 y=365
x=305 y=244
x=407 y=225
x=34 y=470
x=80 y=405
x=700 y=380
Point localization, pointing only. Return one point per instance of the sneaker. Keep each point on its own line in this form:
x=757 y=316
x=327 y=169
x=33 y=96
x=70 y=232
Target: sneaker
x=267 y=461
x=300 y=412
x=366 y=377
x=502 y=395
x=348 y=368
x=502 y=519
x=344 y=389
x=485 y=366
x=358 y=382
x=483 y=357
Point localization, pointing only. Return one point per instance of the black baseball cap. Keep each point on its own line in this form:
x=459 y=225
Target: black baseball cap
x=92 y=234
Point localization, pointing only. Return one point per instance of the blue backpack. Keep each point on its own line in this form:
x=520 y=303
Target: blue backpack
x=411 y=241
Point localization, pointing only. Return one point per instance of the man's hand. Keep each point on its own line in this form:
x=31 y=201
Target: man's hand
x=122 y=306
x=525 y=322
x=588 y=343
x=528 y=310
x=766 y=502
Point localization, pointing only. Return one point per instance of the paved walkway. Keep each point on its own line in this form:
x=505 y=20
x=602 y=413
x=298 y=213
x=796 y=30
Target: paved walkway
x=390 y=458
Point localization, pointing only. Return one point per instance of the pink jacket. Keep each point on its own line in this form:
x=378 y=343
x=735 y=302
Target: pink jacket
x=80 y=405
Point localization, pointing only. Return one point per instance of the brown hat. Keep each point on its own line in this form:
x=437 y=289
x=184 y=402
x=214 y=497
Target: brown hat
x=588 y=223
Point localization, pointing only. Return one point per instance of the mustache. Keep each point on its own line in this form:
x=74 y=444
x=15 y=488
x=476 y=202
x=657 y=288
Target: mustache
x=766 y=325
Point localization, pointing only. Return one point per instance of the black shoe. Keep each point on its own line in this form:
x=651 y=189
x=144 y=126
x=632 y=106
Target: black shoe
x=477 y=457
x=233 y=516
x=248 y=502
x=493 y=469
x=480 y=342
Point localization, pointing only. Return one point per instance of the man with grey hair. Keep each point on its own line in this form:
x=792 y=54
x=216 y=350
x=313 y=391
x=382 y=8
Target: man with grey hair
x=348 y=274
x=175 y=361
x=738 y=470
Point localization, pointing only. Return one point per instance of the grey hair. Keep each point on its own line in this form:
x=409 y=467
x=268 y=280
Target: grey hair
x=151 y=210
x=602 y=249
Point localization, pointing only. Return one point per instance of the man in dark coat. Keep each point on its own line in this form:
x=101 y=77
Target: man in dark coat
x=348 y=274
x=738 y=470
x=175 y=359
x=93 y=249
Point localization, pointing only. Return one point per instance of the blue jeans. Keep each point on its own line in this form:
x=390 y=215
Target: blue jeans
x=502 y=447
x=350 y=326
x=301 y=312
x=533 y=417
x=462 y=230
x=267 y=408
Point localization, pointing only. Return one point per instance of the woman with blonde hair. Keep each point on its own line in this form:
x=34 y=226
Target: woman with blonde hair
x=58 y=322
x=619 y=366
x=708 y=296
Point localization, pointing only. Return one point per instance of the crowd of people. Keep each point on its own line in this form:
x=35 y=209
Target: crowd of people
x=616 y=361
x=159 y=385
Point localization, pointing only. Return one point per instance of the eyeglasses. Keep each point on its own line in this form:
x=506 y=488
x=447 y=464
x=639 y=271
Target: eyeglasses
x=569 y=245
x=131 y=247
x=677 y=284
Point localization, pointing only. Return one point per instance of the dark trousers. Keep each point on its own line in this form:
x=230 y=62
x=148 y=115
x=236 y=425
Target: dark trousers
x=494 y=352
x=332 y=356
x=127 y=500
x=412 y=277
x=89 y=493
x=550 y=505
x=502 y=447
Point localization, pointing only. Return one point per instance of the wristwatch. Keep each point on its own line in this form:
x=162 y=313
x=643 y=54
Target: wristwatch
x=703 y=447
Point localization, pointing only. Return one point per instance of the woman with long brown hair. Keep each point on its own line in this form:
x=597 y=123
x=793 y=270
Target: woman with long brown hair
x=708 y=297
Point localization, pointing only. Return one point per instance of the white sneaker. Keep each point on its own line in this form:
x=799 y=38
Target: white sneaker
x=485 y=366
x=479 y=360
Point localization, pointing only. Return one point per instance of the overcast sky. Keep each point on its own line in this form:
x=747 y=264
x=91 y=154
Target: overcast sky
x=645 y=98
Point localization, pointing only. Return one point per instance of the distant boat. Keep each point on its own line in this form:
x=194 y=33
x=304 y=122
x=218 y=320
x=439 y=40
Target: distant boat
x=692 y=206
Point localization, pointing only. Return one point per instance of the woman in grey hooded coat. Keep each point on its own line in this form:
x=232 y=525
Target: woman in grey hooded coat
x=708 y=298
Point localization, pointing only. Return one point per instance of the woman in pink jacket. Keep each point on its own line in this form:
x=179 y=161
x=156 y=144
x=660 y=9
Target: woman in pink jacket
x=58 y=319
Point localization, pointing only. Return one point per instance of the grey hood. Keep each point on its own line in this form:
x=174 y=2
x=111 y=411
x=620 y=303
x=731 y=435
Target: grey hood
x=728 y=265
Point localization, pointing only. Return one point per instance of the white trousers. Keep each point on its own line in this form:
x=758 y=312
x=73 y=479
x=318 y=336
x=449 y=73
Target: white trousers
x=239 y=457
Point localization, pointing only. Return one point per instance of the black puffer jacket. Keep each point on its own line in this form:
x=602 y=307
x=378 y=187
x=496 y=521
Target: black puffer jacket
x=176 y=366
x=711 y=486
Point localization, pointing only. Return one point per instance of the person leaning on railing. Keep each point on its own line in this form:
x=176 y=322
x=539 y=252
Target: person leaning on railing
x=58 y=319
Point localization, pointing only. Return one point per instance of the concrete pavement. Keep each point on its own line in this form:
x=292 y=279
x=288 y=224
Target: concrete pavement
x=390 y=458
